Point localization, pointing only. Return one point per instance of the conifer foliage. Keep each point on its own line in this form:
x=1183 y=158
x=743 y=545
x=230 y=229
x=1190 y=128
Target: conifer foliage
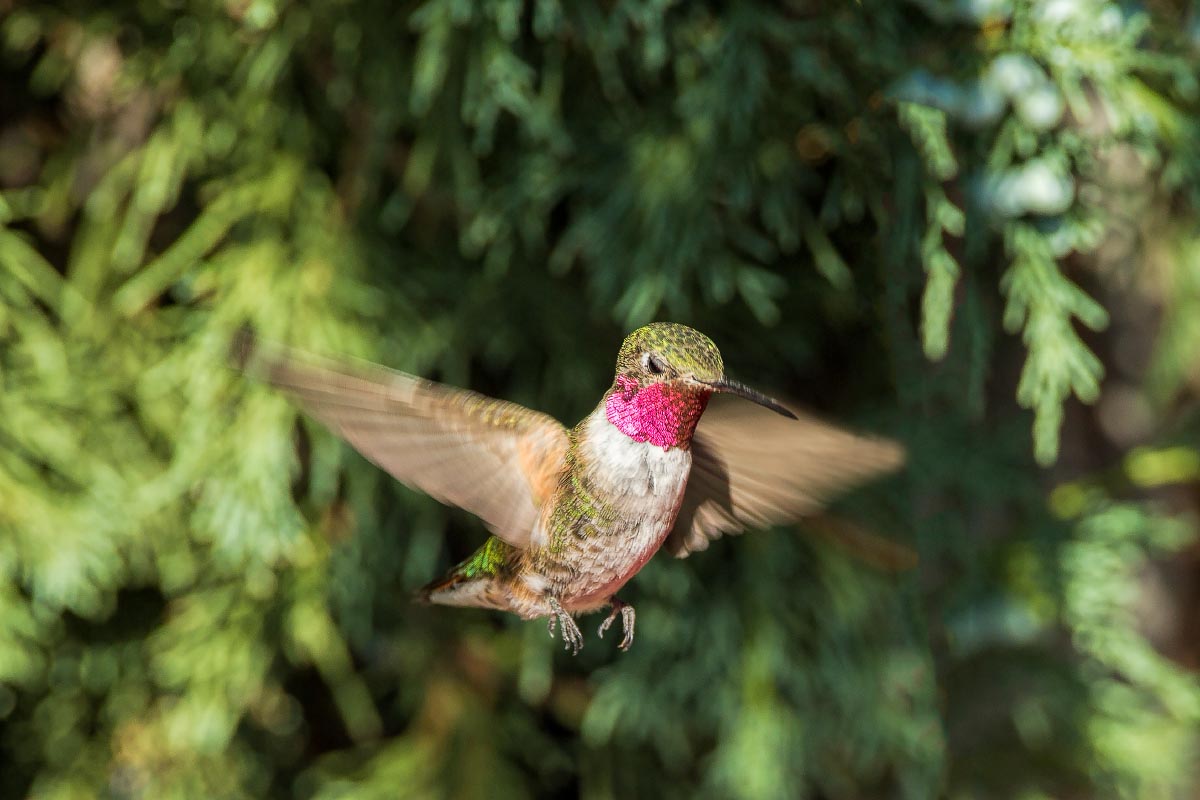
x=943 y=220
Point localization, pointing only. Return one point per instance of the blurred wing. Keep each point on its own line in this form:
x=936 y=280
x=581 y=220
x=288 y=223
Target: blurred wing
x=496 y=459
x=752 y=468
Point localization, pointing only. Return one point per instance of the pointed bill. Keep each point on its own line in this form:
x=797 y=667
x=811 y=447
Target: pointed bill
x=730 y=386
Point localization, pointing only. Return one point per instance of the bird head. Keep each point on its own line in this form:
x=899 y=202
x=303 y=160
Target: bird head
x=665 y=374
x=668 y=353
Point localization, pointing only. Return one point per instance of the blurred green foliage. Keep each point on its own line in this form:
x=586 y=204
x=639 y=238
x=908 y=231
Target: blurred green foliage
x=203 y=596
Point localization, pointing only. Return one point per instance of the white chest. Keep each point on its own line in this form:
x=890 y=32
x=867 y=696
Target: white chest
x=639 y=475
x=646 y=483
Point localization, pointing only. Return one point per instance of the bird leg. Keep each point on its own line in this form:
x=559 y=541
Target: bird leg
x=627 y=619
x=572 y=638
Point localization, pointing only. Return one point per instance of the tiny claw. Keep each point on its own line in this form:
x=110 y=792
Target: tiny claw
x=572 y=637
x=628 y=617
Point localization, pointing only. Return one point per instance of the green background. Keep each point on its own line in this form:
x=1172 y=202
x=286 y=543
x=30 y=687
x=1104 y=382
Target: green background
x=971 y=225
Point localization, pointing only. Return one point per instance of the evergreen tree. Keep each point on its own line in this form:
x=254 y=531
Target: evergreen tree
x=906 y=215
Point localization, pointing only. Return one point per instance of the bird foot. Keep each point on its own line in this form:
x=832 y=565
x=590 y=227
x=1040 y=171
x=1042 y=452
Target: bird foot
x=572 y=637
x=628 y=617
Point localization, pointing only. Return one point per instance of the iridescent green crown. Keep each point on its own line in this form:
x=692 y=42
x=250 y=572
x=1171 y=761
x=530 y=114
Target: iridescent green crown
x=685 y=349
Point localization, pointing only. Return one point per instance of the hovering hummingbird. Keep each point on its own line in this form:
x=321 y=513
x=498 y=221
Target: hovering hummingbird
x=575 y=513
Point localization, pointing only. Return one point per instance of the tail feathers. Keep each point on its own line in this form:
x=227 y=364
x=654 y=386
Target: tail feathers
x=457 y=589
x=427 y=593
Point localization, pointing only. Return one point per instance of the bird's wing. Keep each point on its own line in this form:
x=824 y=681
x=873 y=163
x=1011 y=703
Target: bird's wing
x=496 y=459
x=753 y=468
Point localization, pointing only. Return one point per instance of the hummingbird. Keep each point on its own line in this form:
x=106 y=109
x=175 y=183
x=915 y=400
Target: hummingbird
x=575 y=513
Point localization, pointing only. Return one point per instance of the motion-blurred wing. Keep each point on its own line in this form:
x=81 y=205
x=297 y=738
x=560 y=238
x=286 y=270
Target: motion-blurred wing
x=496 y=459
x=752 y=468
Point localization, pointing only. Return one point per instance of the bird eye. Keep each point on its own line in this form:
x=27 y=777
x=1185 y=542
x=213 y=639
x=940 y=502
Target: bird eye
x=653 y=365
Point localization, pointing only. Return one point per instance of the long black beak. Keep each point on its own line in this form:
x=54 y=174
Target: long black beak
x=742 y=390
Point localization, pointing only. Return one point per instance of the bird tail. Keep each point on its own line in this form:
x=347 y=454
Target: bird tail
x=456 y=589
x=471 y=583
x=429 y=593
